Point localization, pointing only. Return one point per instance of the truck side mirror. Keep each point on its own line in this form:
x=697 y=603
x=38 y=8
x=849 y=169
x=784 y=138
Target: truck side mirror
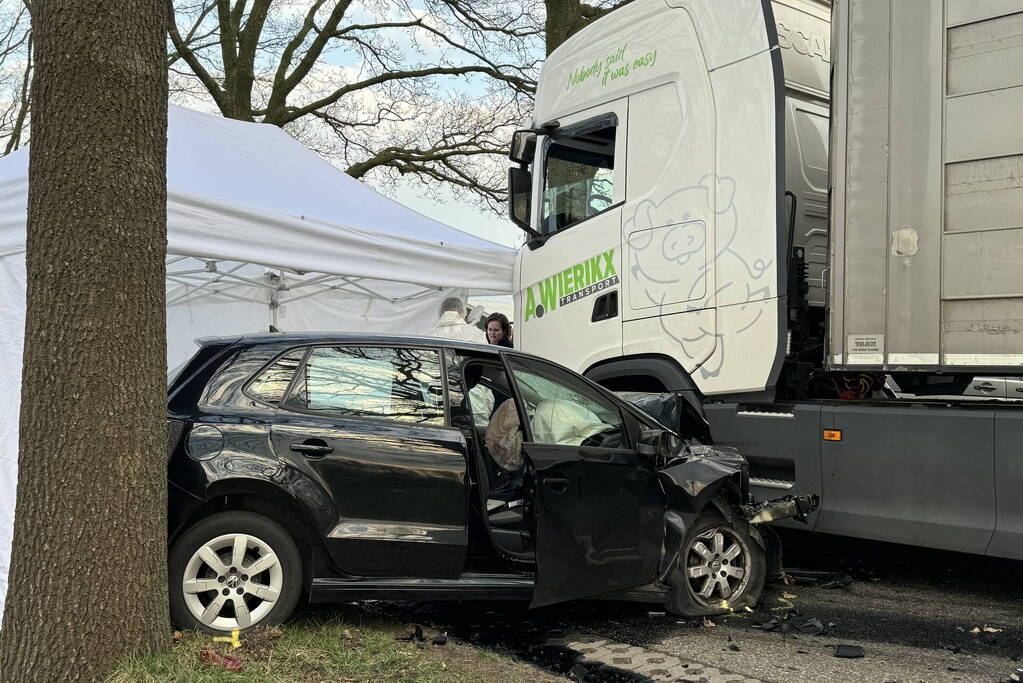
x=520 y=196
x=523 y=146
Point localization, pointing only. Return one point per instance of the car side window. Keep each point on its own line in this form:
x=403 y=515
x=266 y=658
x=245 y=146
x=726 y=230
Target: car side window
x=562 y=410
x=269 y=386
x=382 y=382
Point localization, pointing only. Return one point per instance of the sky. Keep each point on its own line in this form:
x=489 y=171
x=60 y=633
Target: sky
x=461 y=215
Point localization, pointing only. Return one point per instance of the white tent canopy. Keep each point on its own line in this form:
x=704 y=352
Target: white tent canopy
x=260 y=232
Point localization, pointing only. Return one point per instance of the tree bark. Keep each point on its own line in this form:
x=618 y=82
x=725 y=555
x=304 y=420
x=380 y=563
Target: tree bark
x=88 y=574
x=567 y=17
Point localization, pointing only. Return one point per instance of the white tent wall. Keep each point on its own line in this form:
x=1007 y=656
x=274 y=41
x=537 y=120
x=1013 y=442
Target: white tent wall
x=12 y=304
x=247 y=198
x=223 y=313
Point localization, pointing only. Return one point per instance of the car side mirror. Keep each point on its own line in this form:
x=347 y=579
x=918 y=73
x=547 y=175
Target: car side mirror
x=659 y=443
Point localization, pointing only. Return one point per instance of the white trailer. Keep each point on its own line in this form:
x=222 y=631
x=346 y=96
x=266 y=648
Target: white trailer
x=675 y=185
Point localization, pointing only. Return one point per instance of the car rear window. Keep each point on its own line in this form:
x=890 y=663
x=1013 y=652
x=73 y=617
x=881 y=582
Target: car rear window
x=269 y=386
x=382 y=382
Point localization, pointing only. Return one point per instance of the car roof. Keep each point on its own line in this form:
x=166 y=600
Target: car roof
x=354 y=338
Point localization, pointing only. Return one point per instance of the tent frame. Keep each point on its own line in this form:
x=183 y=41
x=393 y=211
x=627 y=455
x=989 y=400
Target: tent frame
x=210 y=278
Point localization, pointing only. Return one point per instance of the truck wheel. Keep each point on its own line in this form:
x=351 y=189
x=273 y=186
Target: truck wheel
x=719 y=569
x=233 y=570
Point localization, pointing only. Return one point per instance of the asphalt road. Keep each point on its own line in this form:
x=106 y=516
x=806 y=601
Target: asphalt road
x=912 y=611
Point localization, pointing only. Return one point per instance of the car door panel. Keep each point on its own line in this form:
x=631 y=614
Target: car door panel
x=367 y=424
x=598 y=506
x=399 y=492
x=598 y=522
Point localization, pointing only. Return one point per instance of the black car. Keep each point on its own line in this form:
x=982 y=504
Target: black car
x=339 y=467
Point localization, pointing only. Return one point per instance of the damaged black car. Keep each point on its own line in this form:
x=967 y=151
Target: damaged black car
x=338 y=467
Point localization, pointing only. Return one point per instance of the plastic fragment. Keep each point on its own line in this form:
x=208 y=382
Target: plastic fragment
x=848 y=651
x=813 y=627
x=841 y=582
x=222 y=661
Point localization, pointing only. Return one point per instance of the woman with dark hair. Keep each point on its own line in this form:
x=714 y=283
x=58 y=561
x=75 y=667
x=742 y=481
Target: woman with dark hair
x=499 y=330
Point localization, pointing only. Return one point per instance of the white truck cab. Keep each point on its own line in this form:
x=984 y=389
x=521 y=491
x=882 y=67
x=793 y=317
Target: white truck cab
x=650 y=183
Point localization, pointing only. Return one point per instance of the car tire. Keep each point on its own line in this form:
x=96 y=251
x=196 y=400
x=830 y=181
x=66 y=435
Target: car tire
x=212 y=584
x=706 y=577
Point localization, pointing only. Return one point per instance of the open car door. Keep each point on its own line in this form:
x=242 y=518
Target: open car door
x=598 y=506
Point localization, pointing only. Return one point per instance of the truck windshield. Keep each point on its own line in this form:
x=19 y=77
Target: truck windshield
x=579 y=178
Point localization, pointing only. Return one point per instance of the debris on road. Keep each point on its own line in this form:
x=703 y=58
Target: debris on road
x=813 y=627
x=812 y=577
x=416 y=636
x=848 y=651
x=222 y=661
x=843 y=581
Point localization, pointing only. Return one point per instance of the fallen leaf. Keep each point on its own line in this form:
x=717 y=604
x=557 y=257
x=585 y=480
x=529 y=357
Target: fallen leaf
x=708 y=623
x=788 y=596
x=991 y=629
x=975 y=629
x=178 y=636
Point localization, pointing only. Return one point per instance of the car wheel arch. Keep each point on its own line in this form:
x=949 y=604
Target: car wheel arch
x=269 y=501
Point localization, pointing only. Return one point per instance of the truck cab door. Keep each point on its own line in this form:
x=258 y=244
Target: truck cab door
x=597 y=505
x=569 y=277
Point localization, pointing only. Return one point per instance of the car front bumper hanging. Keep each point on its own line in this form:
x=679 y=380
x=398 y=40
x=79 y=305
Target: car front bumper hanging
x=787 y=507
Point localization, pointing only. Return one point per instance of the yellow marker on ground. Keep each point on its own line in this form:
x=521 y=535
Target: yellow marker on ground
x=233 y=639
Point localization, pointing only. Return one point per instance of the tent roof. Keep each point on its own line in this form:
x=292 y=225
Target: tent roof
x=248 y=192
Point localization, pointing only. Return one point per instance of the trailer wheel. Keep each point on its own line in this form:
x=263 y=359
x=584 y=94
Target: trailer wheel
x=720 y=568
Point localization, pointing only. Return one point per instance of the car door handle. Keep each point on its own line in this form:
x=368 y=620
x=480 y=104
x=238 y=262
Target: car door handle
x=984 y=387
x=556 y=484
x=312 y=447
x=1019 y=390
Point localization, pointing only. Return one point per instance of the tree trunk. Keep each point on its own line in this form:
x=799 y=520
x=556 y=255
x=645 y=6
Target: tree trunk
x=88 y=575
x=567 y=17
x=564 y=18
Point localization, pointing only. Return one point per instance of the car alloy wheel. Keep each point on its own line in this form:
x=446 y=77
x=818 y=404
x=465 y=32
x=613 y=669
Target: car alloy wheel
x=717 y=566
x=232 y=581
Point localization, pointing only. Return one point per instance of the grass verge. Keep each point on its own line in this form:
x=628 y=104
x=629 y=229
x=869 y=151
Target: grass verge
x=339 y=645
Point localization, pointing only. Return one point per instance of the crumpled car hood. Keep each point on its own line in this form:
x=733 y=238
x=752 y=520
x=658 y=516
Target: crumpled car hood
x=701 y=466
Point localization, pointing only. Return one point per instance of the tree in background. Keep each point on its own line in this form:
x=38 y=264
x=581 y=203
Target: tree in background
x=15 y=73
x=88 y=579
x=567 y=17
x=429 y=90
